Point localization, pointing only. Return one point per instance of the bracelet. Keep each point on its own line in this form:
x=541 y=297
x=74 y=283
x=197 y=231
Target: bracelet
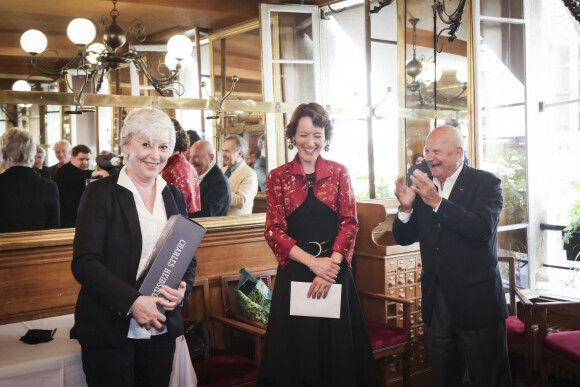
x=310 y=264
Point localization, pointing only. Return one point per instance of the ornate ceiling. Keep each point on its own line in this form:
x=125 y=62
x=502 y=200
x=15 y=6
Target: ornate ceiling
x=162 y=18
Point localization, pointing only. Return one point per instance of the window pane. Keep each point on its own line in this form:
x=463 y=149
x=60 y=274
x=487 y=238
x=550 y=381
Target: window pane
x=502 y=63
x=349 y=147
x=385 y=129
x=504 y=154
x=297 y=82
x=502 y=8
x=293 y=38
x=514 y=243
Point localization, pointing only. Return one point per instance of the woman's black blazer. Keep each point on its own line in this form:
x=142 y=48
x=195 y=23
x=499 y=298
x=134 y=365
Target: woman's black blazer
x=106 y=254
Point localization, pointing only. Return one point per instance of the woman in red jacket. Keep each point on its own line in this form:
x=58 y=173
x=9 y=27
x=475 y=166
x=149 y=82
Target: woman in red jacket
x=311 y=226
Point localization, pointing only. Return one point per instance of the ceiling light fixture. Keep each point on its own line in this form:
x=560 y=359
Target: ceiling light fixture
x=94 y=61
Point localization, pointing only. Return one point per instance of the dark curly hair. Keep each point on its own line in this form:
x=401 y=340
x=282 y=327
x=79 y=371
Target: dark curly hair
x=181 y=137
x=319 y=117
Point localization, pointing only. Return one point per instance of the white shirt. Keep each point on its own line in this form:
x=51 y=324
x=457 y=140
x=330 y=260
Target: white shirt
x=444 y=193
x=152 y=225
x=205 y=173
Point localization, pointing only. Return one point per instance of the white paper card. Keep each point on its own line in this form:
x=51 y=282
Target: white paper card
x=300 y=305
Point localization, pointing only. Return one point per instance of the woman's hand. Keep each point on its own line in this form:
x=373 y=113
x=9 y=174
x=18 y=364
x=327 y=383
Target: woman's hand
x=174 y=296
x=145 y=312
x=325 y=268
x=319 y=288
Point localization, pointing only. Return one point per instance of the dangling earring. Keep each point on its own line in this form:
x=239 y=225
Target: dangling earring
x=326 y=146
x=292 y=143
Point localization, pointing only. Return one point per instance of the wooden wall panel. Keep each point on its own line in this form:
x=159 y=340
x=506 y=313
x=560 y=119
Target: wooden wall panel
x=36 y=281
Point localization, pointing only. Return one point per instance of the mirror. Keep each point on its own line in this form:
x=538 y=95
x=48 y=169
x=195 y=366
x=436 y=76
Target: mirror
x=236 y=52
x=436 y=80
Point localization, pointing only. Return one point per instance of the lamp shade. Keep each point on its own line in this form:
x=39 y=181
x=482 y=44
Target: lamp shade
x=33 y=42
x=179 y=46
x=94 y=51
x=21 y=86
x=171 y=62
x=81 y=31
x=461 y=74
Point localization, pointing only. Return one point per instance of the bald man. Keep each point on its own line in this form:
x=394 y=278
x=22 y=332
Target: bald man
x=454 y=217
x=214 y=186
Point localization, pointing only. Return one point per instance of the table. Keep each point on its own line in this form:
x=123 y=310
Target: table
x=58 y=362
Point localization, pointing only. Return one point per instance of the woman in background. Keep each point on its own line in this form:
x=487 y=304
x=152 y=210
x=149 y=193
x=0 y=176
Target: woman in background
x=311 y=226
x=181 y=173
x=125 y=340
x=27 y=201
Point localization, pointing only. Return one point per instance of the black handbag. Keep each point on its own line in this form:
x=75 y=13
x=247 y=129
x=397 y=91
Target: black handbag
x=197 y=338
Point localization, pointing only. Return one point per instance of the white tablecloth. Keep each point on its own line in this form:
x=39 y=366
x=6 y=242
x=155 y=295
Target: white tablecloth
x=58 y=362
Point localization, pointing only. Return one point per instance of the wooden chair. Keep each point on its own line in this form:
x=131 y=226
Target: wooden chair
x=387 y=339
x=222 y=369
x=232 y=316
x=519 y=327
x=557 y=348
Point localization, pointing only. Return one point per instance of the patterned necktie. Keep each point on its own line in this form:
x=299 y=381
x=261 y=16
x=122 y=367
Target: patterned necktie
x=229 y=171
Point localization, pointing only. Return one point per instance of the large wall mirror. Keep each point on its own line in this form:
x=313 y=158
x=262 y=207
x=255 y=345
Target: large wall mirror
x=437 y=88
x=236 y=52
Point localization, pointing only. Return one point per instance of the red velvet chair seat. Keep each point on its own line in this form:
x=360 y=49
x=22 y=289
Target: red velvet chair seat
x=383 y=335
x=566 y=344
x=515 y=330
x=225 y=370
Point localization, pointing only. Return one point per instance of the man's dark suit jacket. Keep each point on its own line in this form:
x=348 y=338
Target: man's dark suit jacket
x=27 y=201
x=51 y=171
x=260 y=168
x=71 y=183
x=215 y=194
x=106 y=254
x=459 y=250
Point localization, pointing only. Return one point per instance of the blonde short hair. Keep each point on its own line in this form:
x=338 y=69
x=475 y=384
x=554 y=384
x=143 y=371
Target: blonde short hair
x=18 y=147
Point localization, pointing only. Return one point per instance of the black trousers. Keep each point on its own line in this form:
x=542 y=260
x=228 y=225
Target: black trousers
x=146 y=362
x=462 y=356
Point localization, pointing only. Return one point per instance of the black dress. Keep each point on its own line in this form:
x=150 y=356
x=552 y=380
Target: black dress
x=312 y=351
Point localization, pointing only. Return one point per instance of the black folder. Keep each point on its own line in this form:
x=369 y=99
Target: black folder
x=171 y=256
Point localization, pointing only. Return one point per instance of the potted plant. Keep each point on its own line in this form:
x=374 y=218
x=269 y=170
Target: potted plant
x=571 y=234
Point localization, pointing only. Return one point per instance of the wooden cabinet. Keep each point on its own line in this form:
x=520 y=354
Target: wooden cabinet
x=382 y=266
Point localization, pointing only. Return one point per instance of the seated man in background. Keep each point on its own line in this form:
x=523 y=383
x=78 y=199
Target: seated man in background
x=243 y=179
x=71 y=179
x=62 y=151
x=213 y=185
x=27 y=201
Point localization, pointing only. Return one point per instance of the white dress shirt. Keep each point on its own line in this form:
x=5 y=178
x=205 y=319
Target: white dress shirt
x=152 y=225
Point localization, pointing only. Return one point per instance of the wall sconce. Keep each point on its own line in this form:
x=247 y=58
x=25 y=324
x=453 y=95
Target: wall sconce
x=16 y=112
x=219 y=112
x=95 y=60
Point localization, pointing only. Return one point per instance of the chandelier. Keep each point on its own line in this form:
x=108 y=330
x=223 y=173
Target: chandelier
x=96 y=60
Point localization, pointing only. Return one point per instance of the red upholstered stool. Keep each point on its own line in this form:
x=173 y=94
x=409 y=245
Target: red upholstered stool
x=560 y=348
x=515 y=330
x=519 y=322
x=388 y=339
x=565 y=344
x=225 y=370
x=385 y=336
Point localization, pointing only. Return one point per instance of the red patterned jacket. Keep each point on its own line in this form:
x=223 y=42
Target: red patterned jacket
x=179 y=172
x=286 y=190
